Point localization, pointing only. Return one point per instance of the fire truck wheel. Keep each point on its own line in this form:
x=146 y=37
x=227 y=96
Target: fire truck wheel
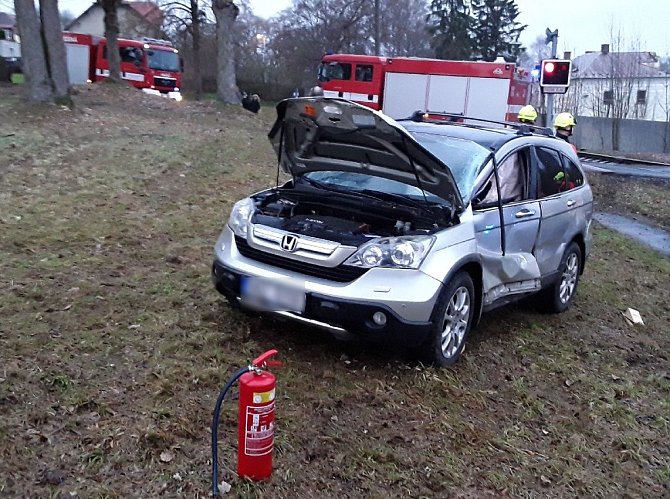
x=452 y=320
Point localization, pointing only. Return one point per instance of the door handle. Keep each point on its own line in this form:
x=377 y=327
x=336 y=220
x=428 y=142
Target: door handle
x=524 y=213
x=570 y=203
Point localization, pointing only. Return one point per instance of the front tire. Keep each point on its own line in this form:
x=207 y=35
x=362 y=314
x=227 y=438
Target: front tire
x=452 y=320
x=559 y=296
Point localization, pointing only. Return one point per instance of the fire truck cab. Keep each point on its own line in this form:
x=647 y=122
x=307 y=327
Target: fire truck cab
x=151 y=65
x=401 y=86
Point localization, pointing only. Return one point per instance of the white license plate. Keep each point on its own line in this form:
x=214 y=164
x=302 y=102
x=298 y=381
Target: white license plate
x=272 y=295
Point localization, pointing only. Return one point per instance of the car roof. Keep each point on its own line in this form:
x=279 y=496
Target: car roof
x=485 y=135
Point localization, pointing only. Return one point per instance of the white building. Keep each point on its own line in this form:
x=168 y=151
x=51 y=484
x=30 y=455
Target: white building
x=136 y=20
x=626 y=85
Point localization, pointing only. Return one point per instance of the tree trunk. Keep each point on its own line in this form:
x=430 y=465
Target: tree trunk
x=32 y=51
x=112 y=35
x=226 y=12
x=195 y=33
x=54 y=47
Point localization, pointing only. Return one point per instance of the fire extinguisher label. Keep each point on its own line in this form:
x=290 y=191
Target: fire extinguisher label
x=264 y=397
x=260 y=426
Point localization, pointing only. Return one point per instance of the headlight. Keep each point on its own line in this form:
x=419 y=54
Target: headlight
x=405 y=252
x=240 y=216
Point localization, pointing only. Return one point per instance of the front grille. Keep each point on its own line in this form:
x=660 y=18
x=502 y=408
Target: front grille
x=170 y=83
x=340 y=274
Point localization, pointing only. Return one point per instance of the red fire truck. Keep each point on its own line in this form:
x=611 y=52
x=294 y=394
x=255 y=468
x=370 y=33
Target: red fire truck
x=400 y=86
x=149 y=64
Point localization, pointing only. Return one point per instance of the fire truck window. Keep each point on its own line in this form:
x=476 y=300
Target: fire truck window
x=131 y=54
x=363 y=73
x=339 y=71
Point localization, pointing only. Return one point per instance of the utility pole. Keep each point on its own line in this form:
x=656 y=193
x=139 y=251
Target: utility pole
x=552 y=36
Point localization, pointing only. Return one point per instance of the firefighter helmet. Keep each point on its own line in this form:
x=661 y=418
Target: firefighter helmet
x=564 y=120
x=527 y=114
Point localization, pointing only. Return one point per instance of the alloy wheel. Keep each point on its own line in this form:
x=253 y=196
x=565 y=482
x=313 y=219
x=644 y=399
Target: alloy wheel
x=569 y=278
x=456 y=319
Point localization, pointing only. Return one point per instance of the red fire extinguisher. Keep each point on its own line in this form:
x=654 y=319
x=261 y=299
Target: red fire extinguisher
x=255 y=420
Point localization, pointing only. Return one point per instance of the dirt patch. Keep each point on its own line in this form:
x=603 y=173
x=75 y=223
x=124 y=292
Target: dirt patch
x=113 y=343
x=639 y=198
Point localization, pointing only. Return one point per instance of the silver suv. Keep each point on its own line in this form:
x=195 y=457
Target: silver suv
x=406 y=230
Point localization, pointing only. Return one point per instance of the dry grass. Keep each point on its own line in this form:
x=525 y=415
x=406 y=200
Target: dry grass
x=113 y=343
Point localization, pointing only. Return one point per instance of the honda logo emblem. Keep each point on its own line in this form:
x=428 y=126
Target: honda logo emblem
x=289 y=242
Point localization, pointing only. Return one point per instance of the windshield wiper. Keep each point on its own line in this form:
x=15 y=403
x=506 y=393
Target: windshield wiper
x=386 y=196
x=327 y=187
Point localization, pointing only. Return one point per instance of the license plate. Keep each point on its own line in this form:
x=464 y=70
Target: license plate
x=272 y=295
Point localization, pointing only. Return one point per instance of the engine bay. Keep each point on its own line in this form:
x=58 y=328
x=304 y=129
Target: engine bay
x=345 y=218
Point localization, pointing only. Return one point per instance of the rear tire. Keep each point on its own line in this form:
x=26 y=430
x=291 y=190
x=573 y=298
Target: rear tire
x=451 y=321
x=559 y=296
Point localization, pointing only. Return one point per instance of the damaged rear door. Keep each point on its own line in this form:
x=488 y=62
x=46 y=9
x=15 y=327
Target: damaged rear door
x=509 y=266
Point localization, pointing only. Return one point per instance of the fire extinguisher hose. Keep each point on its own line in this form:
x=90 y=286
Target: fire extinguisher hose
x=215 y=429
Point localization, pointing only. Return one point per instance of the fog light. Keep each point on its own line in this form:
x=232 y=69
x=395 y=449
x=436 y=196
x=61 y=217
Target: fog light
x=379 y=318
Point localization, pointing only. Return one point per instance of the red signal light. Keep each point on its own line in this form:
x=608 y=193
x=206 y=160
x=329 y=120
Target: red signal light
x=549 y=67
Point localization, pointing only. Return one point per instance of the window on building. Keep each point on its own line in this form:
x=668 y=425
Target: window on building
x=608 y=97
x=642 y=97
x=363 y=72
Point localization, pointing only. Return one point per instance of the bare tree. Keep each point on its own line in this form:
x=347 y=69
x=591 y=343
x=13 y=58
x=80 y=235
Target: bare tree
x=226 y=12
x=43 y=50
x=111 y=8
x=32 y=51
x=626 y=75
x=188 y=16
x=404 y=31
x=55 y=49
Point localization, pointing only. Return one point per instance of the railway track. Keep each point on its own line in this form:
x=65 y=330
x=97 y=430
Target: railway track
x=603 y=163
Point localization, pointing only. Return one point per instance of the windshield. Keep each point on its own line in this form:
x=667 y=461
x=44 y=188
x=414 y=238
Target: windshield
x=351 y=181
x=463 y=157
x=334 y=71
x=165 y=60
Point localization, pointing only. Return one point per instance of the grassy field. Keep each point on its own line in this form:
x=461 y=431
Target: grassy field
x=114 y=344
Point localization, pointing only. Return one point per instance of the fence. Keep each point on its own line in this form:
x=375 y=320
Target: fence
x=595 y=134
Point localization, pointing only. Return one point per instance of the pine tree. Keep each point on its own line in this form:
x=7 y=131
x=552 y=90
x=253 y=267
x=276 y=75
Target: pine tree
x=496 y=32
x=452 y=29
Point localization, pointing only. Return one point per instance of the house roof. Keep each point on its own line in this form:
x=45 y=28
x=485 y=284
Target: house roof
x=623 y=64
x=149 y=11
x=7 y=20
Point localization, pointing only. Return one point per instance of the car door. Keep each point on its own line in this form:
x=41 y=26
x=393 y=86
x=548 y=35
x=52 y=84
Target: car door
x=509 y=266
x=560 y=194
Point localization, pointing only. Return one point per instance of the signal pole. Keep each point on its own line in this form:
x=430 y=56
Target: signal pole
x=552 y=36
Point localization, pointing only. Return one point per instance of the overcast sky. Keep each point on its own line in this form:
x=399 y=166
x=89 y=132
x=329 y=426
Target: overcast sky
x=582 y=24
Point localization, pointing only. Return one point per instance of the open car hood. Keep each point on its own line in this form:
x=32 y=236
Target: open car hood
x=326 y=134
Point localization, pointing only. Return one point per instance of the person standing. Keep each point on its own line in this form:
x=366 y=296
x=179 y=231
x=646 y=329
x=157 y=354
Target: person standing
x=527 y=115
x=563 y=124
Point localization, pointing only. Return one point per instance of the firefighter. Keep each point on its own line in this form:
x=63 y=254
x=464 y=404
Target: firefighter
x=527 y=115
x=563 y=124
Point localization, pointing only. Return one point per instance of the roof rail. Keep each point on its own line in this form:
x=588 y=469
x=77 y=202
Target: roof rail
x=458 y=118
x=157 y=41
